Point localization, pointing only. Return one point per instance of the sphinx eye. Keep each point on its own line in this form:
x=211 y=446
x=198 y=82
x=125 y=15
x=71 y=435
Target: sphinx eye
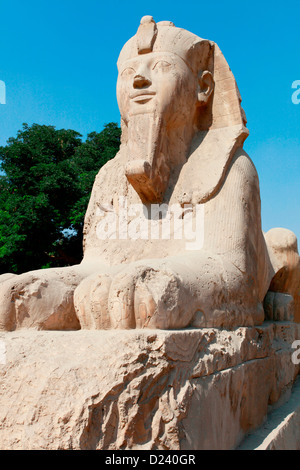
x=127 y=72
x=162 y=65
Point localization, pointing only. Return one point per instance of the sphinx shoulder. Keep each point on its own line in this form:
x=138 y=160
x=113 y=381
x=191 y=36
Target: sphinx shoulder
x=111 y=174
x=243 y=165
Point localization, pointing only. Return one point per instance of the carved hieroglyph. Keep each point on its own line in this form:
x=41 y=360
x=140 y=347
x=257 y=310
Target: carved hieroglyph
x=181 y=162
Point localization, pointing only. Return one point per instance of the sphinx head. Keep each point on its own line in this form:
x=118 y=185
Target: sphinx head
x=164 y=91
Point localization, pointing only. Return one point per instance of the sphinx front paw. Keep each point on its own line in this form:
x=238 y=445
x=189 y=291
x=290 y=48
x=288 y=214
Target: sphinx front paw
x=149 y=297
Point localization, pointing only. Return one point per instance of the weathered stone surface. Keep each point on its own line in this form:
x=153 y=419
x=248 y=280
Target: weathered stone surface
x=281 y=429
x=141 y=389
x=279 y=306
x=183 y=131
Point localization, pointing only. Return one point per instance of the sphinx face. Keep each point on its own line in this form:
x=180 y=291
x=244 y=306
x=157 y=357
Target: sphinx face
x=157 y=97
x=158 y=83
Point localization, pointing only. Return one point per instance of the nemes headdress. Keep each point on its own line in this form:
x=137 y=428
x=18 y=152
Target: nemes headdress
x=224 y=130
x=199 y=55
x=165 y=37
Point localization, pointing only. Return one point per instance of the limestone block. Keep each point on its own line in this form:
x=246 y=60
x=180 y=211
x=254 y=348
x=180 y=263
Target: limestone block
x=141 y=389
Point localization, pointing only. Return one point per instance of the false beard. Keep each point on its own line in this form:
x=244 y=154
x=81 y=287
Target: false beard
x=148 y=168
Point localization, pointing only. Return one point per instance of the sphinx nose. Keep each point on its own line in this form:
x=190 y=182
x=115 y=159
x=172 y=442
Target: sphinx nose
x=140 y=81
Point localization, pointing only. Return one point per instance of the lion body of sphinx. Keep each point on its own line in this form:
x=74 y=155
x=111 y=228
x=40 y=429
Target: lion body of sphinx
x=222 y=284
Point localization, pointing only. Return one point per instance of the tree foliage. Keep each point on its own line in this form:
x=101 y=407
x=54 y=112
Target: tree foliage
x=45 y=185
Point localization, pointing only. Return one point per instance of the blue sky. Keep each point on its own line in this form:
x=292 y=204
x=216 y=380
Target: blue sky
x=58 y=61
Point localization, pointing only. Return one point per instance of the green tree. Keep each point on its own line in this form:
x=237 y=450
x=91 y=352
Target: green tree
x=46 y=181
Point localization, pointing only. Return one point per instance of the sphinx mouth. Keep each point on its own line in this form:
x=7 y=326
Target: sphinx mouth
x=142 y=96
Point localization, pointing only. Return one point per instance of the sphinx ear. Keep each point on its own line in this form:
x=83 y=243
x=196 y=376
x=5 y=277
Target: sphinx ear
x=206 y=86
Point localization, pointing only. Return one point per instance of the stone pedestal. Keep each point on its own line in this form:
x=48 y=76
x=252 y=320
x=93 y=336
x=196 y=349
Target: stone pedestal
x=281 y=429
x=142 y=389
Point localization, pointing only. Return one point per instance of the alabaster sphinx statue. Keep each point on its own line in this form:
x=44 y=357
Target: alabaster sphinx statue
x=181 y=171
